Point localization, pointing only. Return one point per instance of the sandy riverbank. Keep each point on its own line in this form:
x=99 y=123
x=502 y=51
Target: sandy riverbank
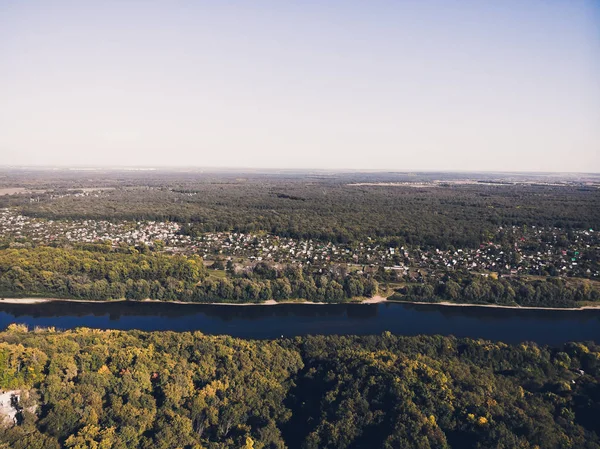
x=26 y=300
x=494 y=306
x=374 y=300
x=271 y=302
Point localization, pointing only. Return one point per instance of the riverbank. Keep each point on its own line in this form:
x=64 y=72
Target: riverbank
x=271 y=302
x=493 y=306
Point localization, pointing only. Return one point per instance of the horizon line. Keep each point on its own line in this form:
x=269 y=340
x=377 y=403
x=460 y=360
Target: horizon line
x=92 y=167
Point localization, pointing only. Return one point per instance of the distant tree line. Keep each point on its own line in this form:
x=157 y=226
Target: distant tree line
x=460 y=216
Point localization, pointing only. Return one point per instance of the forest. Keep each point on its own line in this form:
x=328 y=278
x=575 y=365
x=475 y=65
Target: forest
x=99 y=272
x=337 y=208
x=130 y=389
x=475 y=289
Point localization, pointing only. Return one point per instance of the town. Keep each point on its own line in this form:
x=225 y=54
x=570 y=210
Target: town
x=539 y=251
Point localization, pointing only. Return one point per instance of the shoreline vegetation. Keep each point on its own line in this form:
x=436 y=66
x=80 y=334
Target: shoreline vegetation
x=96 y=272
x=378 y=299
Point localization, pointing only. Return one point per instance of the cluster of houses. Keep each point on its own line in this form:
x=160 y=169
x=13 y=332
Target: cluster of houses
x=498 y=258
x=513 y=250
x=524 y=253
x=13 y=225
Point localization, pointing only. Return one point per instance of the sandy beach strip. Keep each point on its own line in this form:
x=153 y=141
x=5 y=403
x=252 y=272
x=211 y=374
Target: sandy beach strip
x=270 y=302
x=377 y=299
x=25 y=300
x=493 y=306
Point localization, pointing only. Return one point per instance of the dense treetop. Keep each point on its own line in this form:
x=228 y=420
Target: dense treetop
x=100 y=272
x=114 y=389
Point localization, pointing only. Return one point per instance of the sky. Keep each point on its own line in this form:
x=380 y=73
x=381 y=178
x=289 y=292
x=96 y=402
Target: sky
x=463 y=85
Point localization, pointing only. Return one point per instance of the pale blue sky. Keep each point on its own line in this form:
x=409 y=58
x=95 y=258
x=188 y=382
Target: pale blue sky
x=418 y=85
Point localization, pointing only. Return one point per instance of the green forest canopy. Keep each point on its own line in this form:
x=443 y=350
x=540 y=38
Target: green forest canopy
x=330 y=209
x=115 y=389
x=100 y=272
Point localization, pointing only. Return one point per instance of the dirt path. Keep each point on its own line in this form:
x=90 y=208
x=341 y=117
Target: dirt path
x=374 y=300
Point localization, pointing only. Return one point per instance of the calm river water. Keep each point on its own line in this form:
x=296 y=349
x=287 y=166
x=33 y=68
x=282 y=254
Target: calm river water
x=509 y=325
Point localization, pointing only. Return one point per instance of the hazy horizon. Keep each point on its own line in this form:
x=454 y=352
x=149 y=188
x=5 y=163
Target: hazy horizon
x=393 y=86
x=242 y=169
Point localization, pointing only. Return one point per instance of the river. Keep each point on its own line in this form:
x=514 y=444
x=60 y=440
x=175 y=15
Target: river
x=262 y=321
